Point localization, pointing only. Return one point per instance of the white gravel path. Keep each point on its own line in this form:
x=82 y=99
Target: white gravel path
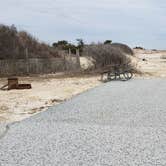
x=116 y=124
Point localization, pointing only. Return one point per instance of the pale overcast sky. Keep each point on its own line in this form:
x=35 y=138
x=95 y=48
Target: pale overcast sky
x=134 y=22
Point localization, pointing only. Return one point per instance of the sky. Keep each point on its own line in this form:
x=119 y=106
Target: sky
x=133 y=22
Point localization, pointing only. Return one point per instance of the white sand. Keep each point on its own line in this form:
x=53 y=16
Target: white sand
x=16 y=105
x=154 y=66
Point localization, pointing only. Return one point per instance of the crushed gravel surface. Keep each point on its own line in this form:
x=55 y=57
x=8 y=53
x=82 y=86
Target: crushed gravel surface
x=115 y=124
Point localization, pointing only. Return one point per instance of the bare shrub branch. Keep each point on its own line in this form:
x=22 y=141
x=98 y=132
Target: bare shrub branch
x=104 y=55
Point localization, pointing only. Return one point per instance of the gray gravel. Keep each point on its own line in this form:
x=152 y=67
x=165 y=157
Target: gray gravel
x=116 y=124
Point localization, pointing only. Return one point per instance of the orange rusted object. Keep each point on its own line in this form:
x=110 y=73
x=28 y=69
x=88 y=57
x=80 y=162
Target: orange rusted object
x=13 y=84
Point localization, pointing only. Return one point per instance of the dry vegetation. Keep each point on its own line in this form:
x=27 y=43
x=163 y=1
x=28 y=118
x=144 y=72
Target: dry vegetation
x=108 y=54
x=16 y=44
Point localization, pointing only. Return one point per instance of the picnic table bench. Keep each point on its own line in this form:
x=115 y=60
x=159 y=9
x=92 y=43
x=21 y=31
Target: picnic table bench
x=114 y=72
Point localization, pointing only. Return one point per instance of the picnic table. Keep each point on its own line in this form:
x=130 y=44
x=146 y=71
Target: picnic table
x=114 y=72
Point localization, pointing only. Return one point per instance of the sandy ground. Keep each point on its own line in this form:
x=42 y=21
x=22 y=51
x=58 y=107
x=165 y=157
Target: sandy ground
x=46 y=91
x=154 y=64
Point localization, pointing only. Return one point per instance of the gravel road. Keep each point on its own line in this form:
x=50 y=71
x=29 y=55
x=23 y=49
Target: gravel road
x=115 y=124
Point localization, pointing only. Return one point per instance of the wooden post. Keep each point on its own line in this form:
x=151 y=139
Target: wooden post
x=27 y=60
x=78 y=57
x=69 y=52
x=64 y=58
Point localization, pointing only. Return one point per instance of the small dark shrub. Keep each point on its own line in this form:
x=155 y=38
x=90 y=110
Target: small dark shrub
x=139 y=48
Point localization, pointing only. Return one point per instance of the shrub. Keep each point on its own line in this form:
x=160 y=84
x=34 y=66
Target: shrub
x=108 y=42
x=105 y=55
x=8 y=41
x=14 y=45
x=139 y=48
x=123 y=48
